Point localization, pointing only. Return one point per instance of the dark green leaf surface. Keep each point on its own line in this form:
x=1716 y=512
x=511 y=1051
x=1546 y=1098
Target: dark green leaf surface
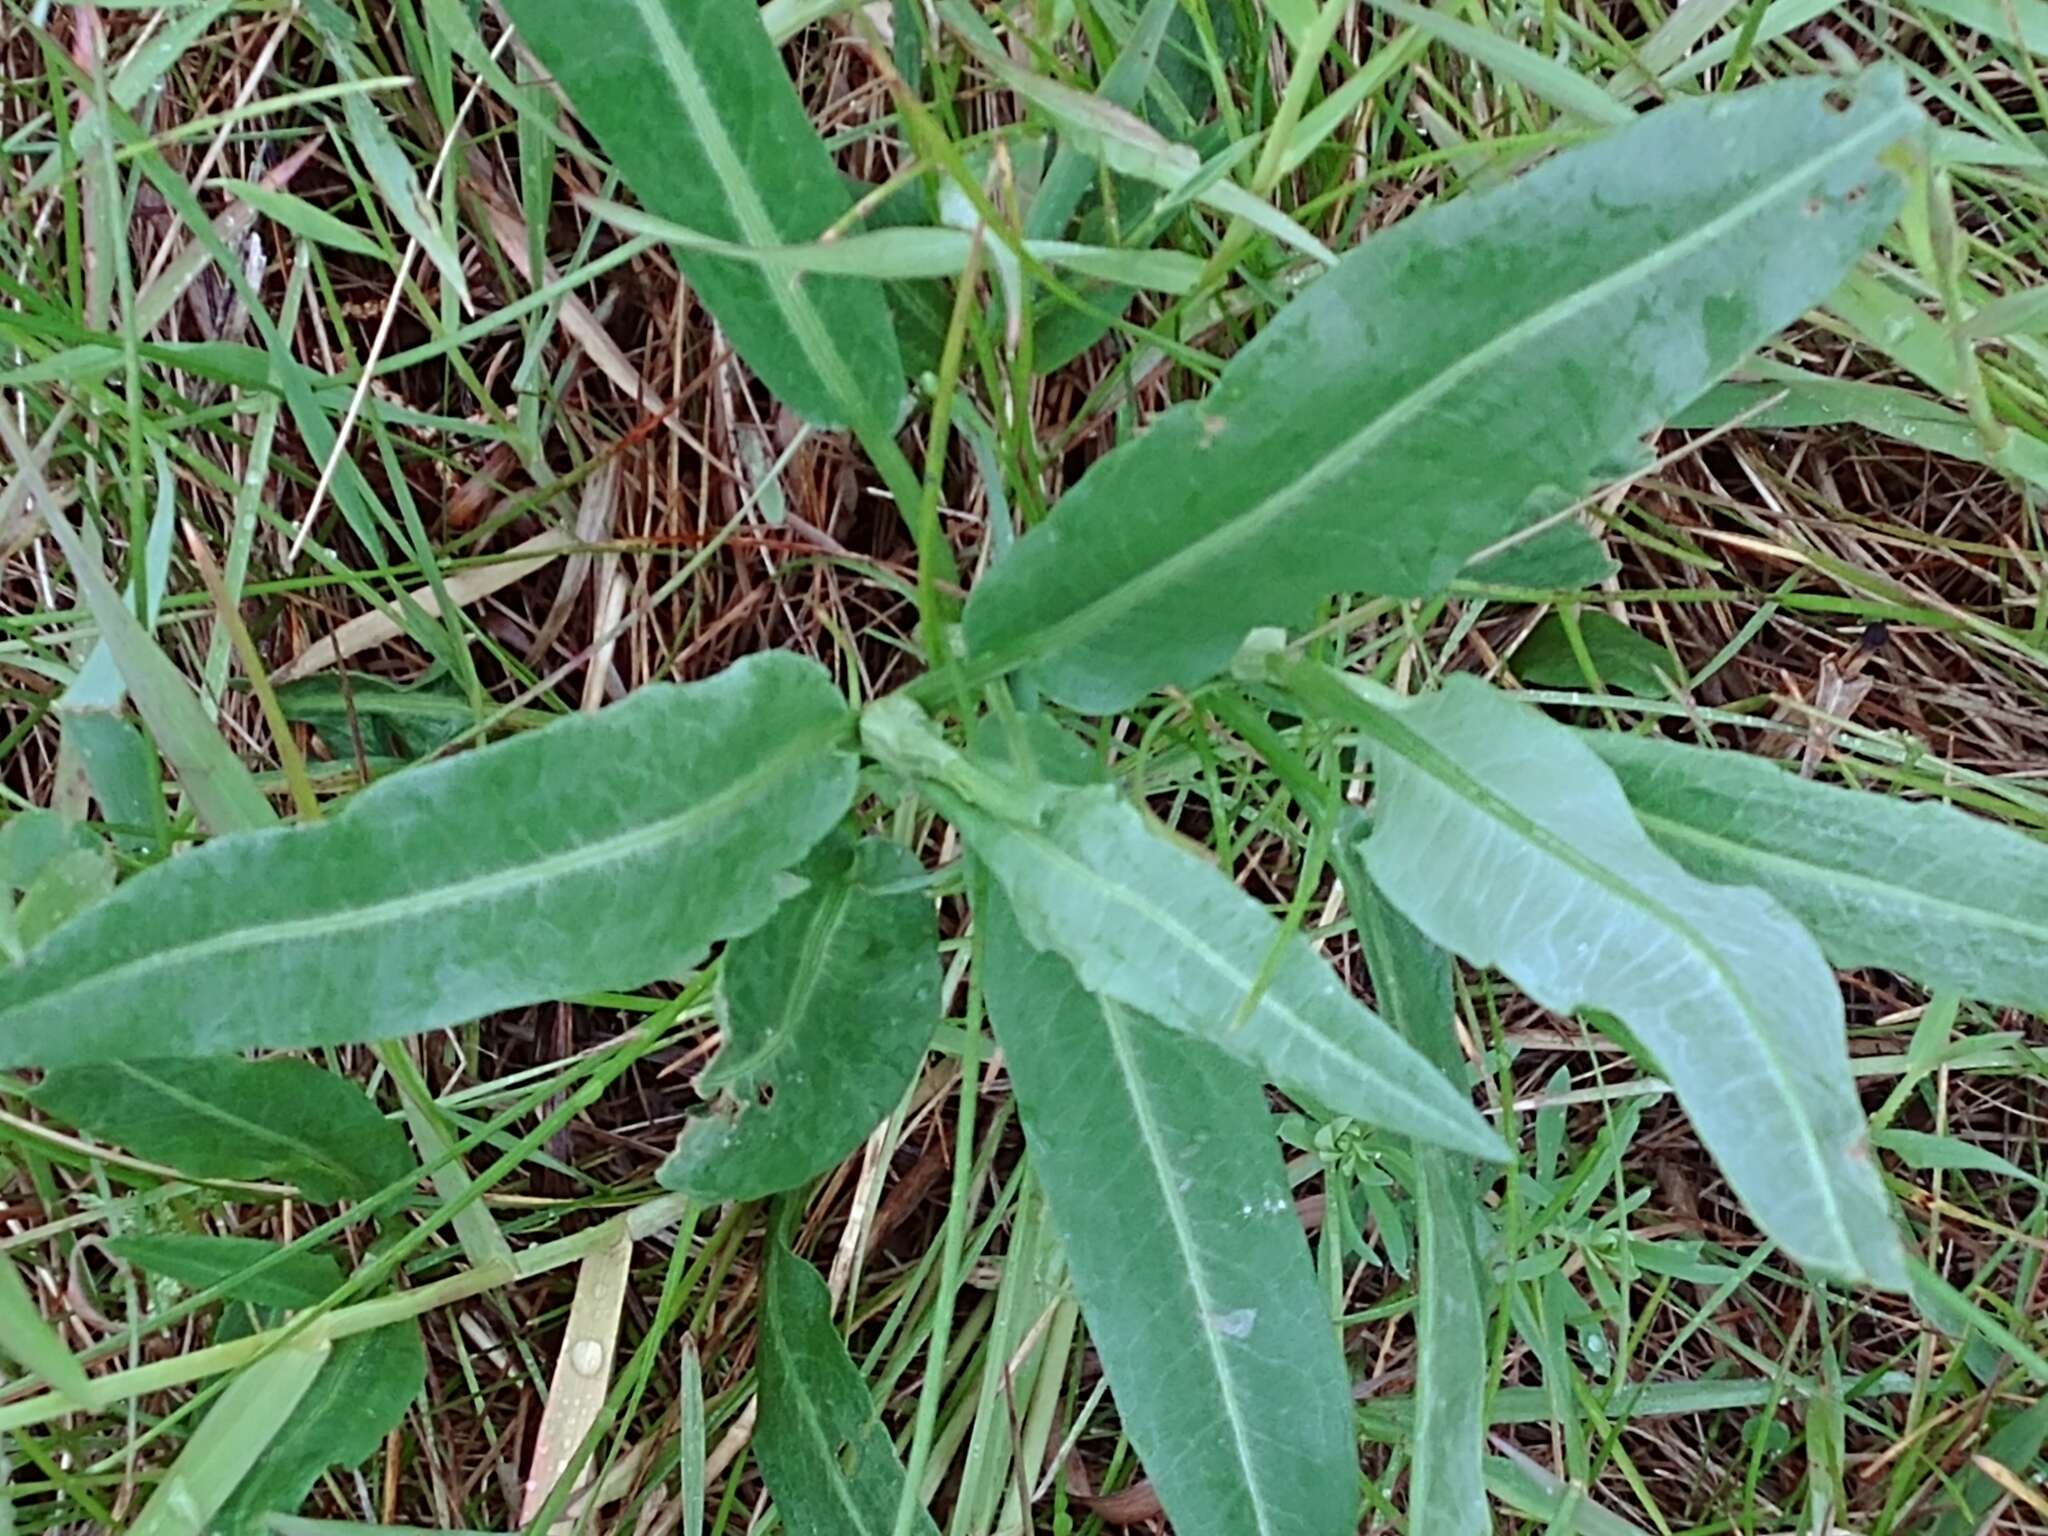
x=1411 y=978
x=825 y=1455
x=605 y=851
x=1467 y=365
x=294 y=1280
x=222 y=1118
x=825 y=1013
x=359 y=1397
x=1500 y=835
x=1158 y=1155
x=1952 y=900
x=692 y=105
x=1149 y=924
x=1623 y=661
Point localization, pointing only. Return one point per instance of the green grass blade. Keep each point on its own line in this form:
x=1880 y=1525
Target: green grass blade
x=847 y=974
x=666 y=86
x=601 y=852
x=218 y=783
x=360 y=1395
x=1158 y=1157
x=1337 y=451
x=1952 y=900
x=1729 y=994
x=33 y=1343
x=231 y=1441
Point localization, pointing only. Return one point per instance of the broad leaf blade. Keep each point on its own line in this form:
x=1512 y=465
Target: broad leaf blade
x=694 y=108
x=1555 y=321
x=1952 y=900
x=287 y=1278
x=465 y=886
x=1158 y=1156
x=1148 y=924
x=226 y=1119
x=825 y=1013
x=1411 y=979
x=823 y=1450
x=1501 y=836
x=360 y=1395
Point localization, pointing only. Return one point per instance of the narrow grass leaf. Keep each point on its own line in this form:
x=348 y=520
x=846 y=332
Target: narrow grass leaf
x=1149 y=924
x=1556 y=320
x=691 y=102
x=219 y=785
x=1502 y=836
x=1955 y=901
x=221 y=1118
x=287 y=1278
x=583 y=1371
x=690 y=1398
x=912 y=252
x=823 y=1449
x=1411 y=979
x=302 y=218
x=359 y=1397
x=825 y=1013
x=231 y=1441
x=1545 y=78
x=1158 y=1156
x=33 y=1344
x=2016 y=1446
x=449 y=891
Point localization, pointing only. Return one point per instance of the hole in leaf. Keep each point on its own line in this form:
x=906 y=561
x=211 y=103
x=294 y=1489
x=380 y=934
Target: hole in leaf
x=1838 y=100
x=764 y=1095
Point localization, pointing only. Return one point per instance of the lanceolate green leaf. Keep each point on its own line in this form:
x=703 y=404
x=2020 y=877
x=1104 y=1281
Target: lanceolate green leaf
x=1149 y=924
x=29 y=1340
x=1411 y=979
x=825 y=1013
x=359 y=1397
x=287 y=1279
x=1553 y=322
x=694 y=108
x=605 y=851
x=1158 y=1155
x=1952 y=900
x=222 y=1118
x=1502 y=837
x=823 y=1450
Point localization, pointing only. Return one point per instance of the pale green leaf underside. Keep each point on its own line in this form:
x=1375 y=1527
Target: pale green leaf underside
x=1952 y=900
x=1148 y=924
x=1158 y=1156
x=1504 y=838
x=1447 y=382
x=825 y=1013
x=824 y=1451
x=602 y=852
x=694 y=108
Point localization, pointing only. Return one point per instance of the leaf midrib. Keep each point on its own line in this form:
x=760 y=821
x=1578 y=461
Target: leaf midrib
x=807 y=1413
x=1427 y=759
x=1170 y=1201
x=424 y=903
x=2030 y=932
x=1298 y=1027
x=1219 y=542
x=805 y=323
x=339 y=1172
